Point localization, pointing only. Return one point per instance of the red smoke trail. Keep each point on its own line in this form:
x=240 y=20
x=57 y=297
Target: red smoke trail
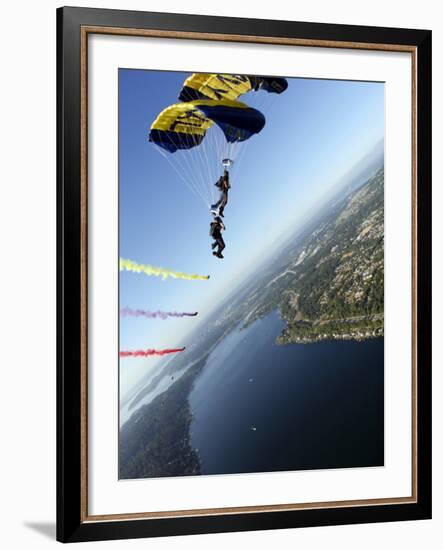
x=147 y=352
x=128 y=312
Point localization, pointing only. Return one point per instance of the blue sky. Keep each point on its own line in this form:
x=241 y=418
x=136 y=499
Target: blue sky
x=315 y=132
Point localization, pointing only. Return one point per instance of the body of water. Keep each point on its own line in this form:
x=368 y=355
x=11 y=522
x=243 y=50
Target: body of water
x=259 y=407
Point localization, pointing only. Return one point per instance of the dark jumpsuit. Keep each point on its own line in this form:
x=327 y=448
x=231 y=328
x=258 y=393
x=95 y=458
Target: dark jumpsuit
x=217 y=236
x=223 y=185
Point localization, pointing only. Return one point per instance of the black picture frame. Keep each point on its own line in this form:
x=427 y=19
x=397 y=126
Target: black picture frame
x=72 y=525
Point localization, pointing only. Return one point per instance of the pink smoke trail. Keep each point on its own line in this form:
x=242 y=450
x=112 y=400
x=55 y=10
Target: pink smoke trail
x=128 y=312
x=148 y=352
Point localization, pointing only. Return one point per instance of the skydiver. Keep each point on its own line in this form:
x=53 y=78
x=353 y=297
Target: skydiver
x=224 y=185
x=216 y=227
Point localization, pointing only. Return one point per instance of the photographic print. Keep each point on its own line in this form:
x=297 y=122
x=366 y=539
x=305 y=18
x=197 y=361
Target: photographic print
x=251 y=212
x=243 y=305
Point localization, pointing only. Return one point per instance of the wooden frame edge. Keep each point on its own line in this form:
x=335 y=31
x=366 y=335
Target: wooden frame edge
x=414 y=296
x=251 y=39
x=199 y=512
x=84 y=275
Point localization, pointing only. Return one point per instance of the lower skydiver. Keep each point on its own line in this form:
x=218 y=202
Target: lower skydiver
x=216 y=227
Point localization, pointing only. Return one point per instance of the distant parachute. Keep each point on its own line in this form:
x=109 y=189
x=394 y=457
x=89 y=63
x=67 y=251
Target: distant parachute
x=228 y=86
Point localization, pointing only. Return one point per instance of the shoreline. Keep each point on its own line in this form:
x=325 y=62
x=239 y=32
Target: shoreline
x=360 y=337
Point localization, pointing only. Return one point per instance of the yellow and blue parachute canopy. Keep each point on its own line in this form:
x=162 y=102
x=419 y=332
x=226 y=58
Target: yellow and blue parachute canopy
x=184 y=125
x=228 y=86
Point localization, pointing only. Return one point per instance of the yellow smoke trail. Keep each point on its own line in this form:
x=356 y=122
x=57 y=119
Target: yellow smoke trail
x=129 y=265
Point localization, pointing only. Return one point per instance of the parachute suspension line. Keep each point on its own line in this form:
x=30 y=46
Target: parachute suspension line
x=212 y=154
x=220 y=151
x=238 y=145
x=266 y=102
x=262 y=102
x=188 y=165
x=260 y=99
x=195 y=172
x=212 y=166
x=203 y=158
x=232 y=150
x=240 y=152
x=188 y=161
x=181 y=162
x=163 y=154
x=208 y=166
x=212 y=151
x=200 y=164
x=229 y=151
x=205 y=173
x=189 y=174
x=195 y=176
x=176 y=167
x=220 y=144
